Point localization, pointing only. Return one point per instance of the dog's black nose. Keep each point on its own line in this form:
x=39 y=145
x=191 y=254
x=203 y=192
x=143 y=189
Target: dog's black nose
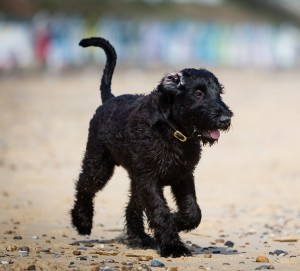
x=224 y=121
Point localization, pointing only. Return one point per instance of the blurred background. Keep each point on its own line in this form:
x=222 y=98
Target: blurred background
x=49 y=88
x=229 y=33
x=247 y=185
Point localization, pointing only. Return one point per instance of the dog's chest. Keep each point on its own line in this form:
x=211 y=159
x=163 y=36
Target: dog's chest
x=169 y=162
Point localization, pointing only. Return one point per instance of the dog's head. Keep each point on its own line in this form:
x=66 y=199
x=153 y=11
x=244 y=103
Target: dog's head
x=193 y=100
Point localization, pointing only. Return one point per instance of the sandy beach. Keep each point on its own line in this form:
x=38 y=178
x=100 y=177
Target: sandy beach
x=247 y=185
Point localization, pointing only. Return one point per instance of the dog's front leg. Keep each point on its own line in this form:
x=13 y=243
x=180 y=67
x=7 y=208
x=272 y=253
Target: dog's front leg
x=160 y=219
x=189 y=215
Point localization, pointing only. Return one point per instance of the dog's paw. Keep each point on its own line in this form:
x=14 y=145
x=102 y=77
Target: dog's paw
x=148 y=242
x=175 y=251
x=144 y=241
x=82 y=223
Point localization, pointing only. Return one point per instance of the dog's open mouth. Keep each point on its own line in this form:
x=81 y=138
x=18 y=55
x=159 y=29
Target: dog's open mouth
x=211 y=134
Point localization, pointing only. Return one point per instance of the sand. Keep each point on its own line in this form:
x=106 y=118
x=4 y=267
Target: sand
x=247 y=185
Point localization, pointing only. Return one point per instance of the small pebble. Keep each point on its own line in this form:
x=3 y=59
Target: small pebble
x=99 y=246
x=18 y=237
x=81 y=248
x=31 y=267
x=56 y=256
x=216 y=252
x=11 y=248
x=173 y=268
x=263 y=267
x=145 y=258
x=89 y=245
x=156 y=263
x=35 y=237
x=77 y=252
x=229 y=244
x=127 y=263
x=279 y=252
x=5 y=262
x=252 y=231
x=207 y=255
x=201 y=267
x=262 y=259
x=74 y=244
x=83 y=259
x=24 y=249
x=220 y=241
x=287 y=240
x=109 y=261
x=107 y=253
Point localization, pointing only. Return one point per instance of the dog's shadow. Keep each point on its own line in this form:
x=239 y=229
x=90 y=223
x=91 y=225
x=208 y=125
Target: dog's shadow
x=214 y=250
x=122 y=240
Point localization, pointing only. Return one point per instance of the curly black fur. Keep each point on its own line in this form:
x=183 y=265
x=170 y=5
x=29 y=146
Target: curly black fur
x=137 y=132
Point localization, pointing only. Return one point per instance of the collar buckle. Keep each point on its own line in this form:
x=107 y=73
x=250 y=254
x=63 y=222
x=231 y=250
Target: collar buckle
x=180 y=136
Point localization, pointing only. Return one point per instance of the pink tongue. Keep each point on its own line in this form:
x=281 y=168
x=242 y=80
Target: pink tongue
x=214 y=134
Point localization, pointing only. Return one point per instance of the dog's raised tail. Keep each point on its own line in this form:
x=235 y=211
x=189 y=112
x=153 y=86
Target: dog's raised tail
x=111 y=58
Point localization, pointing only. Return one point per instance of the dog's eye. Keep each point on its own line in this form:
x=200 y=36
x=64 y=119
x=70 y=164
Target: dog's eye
x=199 y=94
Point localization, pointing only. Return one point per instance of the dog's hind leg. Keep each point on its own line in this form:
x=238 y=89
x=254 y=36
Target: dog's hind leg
x=135 y=223
x=188 y=216
x=97 y=168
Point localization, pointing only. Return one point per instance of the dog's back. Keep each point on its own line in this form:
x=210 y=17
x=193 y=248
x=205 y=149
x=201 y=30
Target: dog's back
x=111 y=118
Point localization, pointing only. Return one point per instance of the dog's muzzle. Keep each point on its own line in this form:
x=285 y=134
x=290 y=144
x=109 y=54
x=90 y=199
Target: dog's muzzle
x=224 y=122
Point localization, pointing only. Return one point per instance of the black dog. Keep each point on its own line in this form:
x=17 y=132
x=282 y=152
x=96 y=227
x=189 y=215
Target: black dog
x=157 y=139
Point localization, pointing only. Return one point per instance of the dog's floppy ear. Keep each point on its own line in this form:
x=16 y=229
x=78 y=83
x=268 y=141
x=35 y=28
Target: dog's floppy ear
x=172 y=83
